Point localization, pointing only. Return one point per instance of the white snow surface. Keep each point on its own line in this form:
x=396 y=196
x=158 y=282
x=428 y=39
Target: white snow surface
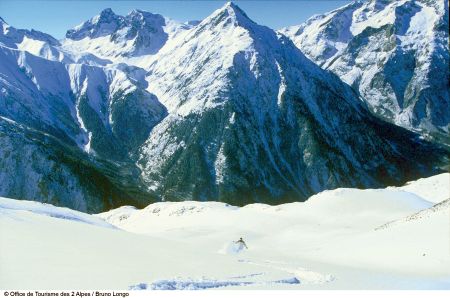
x=9 y=207
x=340 y=239
x=434 y=189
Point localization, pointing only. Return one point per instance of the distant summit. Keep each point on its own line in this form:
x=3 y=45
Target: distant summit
x=111 y=36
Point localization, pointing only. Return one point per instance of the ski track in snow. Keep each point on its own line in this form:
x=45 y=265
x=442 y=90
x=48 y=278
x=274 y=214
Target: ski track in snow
x=295 y=276
x=204 y=284
x=304 y=275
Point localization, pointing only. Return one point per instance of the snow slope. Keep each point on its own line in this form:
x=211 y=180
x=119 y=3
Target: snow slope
x=34 y=42
x=431 y=189
x=30 y=207
x=341 y=239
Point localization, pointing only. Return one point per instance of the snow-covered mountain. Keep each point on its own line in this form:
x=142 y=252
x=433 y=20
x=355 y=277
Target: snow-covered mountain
x=224 y=109
x=69 y=128
x=35 y=42
x=394 y=53
x=117 y=38
x=252 y=119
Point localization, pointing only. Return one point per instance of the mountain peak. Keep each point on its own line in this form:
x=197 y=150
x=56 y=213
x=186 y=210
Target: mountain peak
x=228 y=14
x=143 y=17
x=105 y=15
x=234 y=10
x=103 y=24
x=143 y=13
x=137 y=12
x=231 y=4
x=4 y=27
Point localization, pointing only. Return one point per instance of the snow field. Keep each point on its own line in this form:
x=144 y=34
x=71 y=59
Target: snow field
x=332 y=241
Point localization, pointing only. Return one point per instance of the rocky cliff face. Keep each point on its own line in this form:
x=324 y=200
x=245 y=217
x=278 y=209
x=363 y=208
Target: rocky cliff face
x=394 y=53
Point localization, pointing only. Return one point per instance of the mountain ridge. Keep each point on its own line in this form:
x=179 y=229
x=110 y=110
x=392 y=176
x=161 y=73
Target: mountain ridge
x=390 y=52
x=225 y=110
x=120 y=38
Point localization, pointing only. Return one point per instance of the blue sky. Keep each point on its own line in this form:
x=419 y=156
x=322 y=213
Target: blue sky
x=56 y=17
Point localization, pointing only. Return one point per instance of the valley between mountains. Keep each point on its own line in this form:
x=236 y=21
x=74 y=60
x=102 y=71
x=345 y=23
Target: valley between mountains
x=135 y=109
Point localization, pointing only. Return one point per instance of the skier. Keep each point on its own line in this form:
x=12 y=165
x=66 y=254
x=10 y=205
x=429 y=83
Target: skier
x=241 y=243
